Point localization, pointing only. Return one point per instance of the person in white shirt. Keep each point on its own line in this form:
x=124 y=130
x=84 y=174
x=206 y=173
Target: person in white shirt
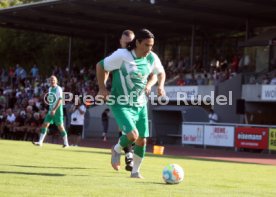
x=213 y=117
x=77 y=122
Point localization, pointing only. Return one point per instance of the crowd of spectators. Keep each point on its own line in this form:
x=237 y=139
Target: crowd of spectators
x=22 y=106
x=181 y=72
x=267 y=78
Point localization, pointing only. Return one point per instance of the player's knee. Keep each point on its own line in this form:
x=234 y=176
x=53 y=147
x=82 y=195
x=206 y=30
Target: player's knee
x=141 y=142
x=133 y=136
x=61 y=128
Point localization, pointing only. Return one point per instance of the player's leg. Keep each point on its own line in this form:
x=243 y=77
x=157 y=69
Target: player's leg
x=140 y=144
x=64 y=135
x=139 y=154
x=44 y=129
x=58 y=119
x=79 y=131
x=128 y=155
x=125 y=119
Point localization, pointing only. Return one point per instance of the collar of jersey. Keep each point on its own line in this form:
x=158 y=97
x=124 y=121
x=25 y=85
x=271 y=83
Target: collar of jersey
x=132 y=52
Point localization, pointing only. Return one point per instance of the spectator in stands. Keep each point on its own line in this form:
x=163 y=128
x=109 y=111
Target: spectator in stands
x=213 y=117
x=199 y=80
x=273 y=80
x=105 y=121
x=180 y=81
x=32 y=126
x=235 y=64
x=2 y=121
x=9 y=123
x=34 y=71
x=4 y=76
x=3 y=100
x=265 y=79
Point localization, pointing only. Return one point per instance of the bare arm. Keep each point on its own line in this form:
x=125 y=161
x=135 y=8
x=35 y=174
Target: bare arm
x=151 y=82
x=161 y=81
x=102 y=77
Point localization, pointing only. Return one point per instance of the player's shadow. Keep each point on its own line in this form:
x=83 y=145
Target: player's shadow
x=154 y=183
x=32 y=173
x=53 y=167
x=90 y=151
x=200 y=159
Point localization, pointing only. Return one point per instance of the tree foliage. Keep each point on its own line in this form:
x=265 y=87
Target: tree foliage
x=9 y=3
x=28 y=48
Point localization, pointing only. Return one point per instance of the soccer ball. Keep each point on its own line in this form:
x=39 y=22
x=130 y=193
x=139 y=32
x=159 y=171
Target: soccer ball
x=173 y=174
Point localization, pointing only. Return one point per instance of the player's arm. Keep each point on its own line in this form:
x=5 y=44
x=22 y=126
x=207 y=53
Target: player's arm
x=56 y=106
x=161 y=75
x=110 y=63
x=102 y=77
x=161 y=82
x=151 y=82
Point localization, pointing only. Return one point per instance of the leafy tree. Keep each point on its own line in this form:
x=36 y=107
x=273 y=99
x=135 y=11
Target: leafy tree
x=8 y=3
x=46 y=50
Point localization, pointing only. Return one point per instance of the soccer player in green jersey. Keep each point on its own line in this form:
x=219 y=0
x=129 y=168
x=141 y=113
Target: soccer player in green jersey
x=126 y=37
x=55 y=113
x=130 y=69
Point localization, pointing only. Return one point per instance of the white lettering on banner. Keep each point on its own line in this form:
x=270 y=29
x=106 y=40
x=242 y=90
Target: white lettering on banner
x=249 y=144
x=219 y=136
x=172 y=92
x=255 y=137
x=192 y=134
x=268 y=92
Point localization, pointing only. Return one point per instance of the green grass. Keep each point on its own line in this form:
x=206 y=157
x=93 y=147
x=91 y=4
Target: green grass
x=26 y=170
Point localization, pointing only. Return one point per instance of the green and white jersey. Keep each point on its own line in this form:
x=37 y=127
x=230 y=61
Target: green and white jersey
x=130 y=74
x=55 y=93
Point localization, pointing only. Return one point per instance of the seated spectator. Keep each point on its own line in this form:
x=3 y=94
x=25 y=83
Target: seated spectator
x=265 y=79
x=199 y=80
x=33 y=127
x=3 y=100
x=273 y=80
x=205 y=79
x=2 y=121
x=213 y=117
x=180 y=81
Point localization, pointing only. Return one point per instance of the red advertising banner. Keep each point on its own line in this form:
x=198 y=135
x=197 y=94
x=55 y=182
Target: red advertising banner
x=251 y=137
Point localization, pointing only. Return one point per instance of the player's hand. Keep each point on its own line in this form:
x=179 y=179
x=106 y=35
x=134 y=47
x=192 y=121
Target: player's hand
x=161 y=92
x=147 y=89
x=53 y=112
x=102 y=94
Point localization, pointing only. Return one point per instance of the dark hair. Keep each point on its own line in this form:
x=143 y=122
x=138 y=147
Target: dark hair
x=140 y=35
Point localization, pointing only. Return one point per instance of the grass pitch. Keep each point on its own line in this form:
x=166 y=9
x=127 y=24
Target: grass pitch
x=26 y=170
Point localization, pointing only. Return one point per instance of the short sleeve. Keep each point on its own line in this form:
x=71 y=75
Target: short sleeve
x=59 y=93
x=157 y=65
x=83 y=108
x=114 y=61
